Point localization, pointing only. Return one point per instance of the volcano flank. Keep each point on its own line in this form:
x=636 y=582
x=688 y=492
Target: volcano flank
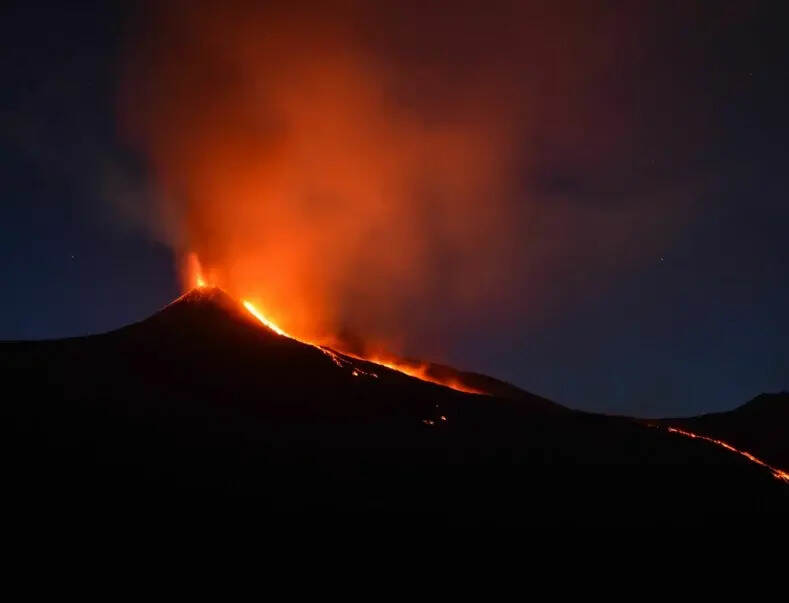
x=203 y=402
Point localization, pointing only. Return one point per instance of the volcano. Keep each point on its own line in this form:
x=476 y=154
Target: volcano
x=203 y=402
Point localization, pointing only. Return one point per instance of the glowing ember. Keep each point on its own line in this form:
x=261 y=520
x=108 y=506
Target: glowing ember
x=359 y=372
x=335 y=358
x=777 y=473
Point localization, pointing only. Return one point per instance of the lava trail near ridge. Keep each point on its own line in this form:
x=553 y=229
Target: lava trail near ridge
x=777 y=473
x=419 y=372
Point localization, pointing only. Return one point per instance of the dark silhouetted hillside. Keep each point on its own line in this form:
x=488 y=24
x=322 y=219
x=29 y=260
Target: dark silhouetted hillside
x=200 y=403
x=760 y=426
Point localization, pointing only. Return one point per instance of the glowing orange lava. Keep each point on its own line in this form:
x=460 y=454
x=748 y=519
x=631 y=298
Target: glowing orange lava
x=777 y=473
x=257 y=314
x=417 y=371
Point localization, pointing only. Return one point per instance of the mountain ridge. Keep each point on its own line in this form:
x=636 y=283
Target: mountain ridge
x=759 y=426
x=217 y=301
x=202 y=403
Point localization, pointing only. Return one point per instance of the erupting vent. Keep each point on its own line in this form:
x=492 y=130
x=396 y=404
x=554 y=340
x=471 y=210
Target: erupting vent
x=198 y=282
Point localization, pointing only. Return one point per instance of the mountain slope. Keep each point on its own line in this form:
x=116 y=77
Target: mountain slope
x=202 y=400
x=760 y=426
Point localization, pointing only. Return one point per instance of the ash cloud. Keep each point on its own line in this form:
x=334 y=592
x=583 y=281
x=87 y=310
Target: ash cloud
x=405 y=171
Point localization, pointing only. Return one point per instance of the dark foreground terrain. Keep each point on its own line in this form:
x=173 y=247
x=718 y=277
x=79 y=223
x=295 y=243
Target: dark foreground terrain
x=200 y=405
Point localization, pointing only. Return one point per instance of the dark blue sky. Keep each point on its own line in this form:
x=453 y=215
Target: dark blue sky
x=71 y=266
x=699 y=326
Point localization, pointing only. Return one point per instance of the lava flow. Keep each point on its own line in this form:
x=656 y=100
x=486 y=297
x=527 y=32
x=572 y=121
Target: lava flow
x=196 y=280
x=777 y=473
x=417 y=371
x=257 y=314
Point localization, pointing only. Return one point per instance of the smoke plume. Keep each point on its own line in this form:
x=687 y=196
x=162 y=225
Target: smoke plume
x=386 y=169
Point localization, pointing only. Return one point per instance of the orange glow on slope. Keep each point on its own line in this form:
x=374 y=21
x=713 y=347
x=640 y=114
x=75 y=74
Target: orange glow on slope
x=777 y=473
x=257 y=314
x=417 y=371
x=195 y=278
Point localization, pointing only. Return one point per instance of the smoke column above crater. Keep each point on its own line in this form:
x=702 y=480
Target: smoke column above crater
x=368 y=174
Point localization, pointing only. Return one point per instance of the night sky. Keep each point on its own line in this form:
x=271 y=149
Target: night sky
x=694 y=320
